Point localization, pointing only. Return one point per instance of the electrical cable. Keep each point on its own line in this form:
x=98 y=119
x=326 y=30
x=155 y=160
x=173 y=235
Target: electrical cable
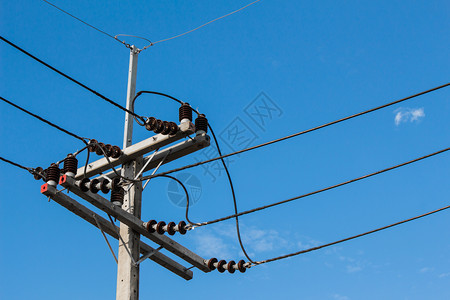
x=85 y=23
x=71 y=79
x=351 y=238
x=321 y=190
x=216 y=19
x=31 y=170
x=222 y=160
x=305 y=131
x=45 y=121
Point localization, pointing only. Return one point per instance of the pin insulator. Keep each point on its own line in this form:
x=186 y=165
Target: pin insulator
x=53 y=173
x=38 y=171
x=117 y=196
x=173 y=128
x=230 y=266
x=166 y=129
x=181 y=227
x=220 y=266
x=99 y=149
x=201 y=123
x=116 y=152
x=160 y=227
x=150 y=124
x=93 y=187
x=108 y=150
x=104 y=186
x=241 y=266
x=171 y=228
x=185 y=112
x=83 y=184
x=159 y=126
x=70 y=164
x=210 y=263
x=150 y=226
x=92 y=145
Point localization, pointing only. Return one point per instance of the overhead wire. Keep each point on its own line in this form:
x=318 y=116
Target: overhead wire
x=31 y=170
x=44 y=120
x=203 y=25
x=305 y=131
x=321 y=190
x=222 y=160
x=70 y=78
x=349 y=238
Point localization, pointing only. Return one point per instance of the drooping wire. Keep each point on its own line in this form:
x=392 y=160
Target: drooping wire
x=305 y=131
x=31 y=170
x=222 y=160
x=349 y=238
x=45 y=121
x=321 y=190
x=207 y=23
x=70 y=78
x=85 y=23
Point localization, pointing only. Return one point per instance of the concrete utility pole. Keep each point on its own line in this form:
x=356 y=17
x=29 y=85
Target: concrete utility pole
x=128 y=270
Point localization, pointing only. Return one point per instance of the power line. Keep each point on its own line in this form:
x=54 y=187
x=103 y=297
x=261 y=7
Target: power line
x=70 y=78
x=352 y=237
x=31 y=170
x=45 y=121
x=207 y=23
x=305 y=131
x=324 y=189
x=85 y=23
x=230 y=181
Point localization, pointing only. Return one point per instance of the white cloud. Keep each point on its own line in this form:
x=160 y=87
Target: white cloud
x=405 y=114
x=426 y=269
x=444 y=275
x=340 y=297
x=353 y=269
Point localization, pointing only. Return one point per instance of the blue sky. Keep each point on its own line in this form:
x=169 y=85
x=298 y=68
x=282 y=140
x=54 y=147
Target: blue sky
x=314 y=61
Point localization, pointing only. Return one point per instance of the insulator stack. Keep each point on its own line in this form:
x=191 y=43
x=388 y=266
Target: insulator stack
x=201 y=124
x=40 y=173
x=117 y=196
x=83 y=184
x=102 y=149
x=70 y=165
x=95 y=185
x=53 y=173
x=223 y=266
x=160 y=126
x=161 y=227
x=185 y=112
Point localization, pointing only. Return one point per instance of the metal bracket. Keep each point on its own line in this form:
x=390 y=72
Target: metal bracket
x=106 y=239
x=148 y=254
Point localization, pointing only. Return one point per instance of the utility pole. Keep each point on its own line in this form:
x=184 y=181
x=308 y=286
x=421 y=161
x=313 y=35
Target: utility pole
x=127 y=269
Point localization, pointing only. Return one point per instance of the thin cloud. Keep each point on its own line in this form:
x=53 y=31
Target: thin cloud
x=405 y=114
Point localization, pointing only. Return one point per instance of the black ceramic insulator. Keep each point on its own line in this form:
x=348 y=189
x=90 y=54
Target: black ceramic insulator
x=159 y=126
x=201 y=123
x=170 y=228
x=70 y=164
x=104 y=186
x=182 y=227
x=93 y=186
x=160 y=227
x=173 y=128
x=150 y=226
x=108 y=150
x=99 y=149
x=210 y=263
x=92 y=145
x=240 y=266
x=150 y=124
x=166 y=129
x=115 y=184
x=220 y=266
x=83 y=184
x=185 y=112
x=230 y=266
x=53 y=173
x=38 y=170
x=116 y=152
x=117 y=196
